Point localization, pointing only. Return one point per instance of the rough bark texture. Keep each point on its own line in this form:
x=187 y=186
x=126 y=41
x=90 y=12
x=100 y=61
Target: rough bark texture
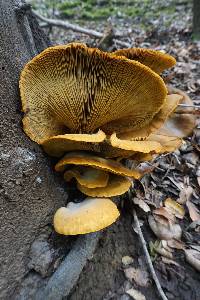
x=196 y=19
x=29 y=193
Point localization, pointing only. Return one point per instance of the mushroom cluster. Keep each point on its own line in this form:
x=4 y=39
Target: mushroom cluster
x=94 y=108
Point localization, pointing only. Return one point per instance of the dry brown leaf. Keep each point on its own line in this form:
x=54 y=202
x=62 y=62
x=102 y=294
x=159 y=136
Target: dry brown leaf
x=127 y=260
x=193 y=258
x=175 y=208
x=136 y=295
x=142 y=204
x=141 y=277
x=169 y=261
x=162 y=211
x=193 y=211
x=185 y=194
x=162 y=248
x=179 y=185
x=164 y=230
x=145 y=168
x=176 y=244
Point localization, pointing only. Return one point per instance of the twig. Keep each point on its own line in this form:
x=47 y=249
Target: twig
x=153 y=273
x=188 y=109
x=76 y=28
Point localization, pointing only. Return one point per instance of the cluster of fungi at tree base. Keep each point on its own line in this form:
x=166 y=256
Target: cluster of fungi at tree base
x=93 y=109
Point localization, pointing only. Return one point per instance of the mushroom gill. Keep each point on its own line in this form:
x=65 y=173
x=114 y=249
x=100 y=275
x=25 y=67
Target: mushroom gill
x=154 y=59
x=76 y=89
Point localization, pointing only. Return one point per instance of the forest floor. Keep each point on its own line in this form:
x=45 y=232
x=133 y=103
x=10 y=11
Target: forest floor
x=120 y=266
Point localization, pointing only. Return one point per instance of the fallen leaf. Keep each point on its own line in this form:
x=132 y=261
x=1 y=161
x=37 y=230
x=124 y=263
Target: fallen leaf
x=193 y=258
x=193 y=211
x=140 y=277
x=175 y=208
x=162 y=211
x=136 y=295
x=142 y=204
x=145 y=168
x=185 y=195
x=164 y=231
x=179 y=185
x=176 y=244
x=127 y=260
x=163 y=252
x=169 y=261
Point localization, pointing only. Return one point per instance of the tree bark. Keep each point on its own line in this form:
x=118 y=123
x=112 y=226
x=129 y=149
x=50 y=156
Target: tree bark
x=30 y=192
x=196 y=19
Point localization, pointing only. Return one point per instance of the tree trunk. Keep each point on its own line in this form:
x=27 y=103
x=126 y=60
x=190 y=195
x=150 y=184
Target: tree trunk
x=196 y=19
x=30 y=192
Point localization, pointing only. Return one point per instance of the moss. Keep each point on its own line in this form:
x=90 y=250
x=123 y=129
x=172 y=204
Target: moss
x=145 y=10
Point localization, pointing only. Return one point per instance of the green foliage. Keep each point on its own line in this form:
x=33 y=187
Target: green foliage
x=103 y=9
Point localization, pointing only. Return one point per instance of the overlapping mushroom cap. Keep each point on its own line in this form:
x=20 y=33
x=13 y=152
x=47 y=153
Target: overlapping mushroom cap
x=97 y=106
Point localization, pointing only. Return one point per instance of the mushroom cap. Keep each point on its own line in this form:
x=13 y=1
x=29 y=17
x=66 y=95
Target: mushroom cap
x=154 y=138
x=87 y=159
x=117 y=185
x=155 y=60
x=60 y=144
x=76 y=89
x=175 y=127
x=157 y=122
x=88 y=216
x=137 y=146
x=125 y=144
x=88 y=176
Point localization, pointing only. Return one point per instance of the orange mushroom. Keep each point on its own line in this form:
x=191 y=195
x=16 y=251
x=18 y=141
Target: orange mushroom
x=95 y=106
x=96 y=176
x=76 y=89
x=155 y=60
x=91 y=215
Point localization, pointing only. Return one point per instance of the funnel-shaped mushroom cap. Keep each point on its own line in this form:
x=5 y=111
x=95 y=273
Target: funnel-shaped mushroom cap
x=88 y=176
x=87 y=159
x=77 y=89
x=60 y=144
x=117 y=185
x=88 y=216
x=156 y=60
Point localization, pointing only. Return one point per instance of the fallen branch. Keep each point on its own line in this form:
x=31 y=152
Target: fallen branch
x=148 y=258
x=65 y=277
x=66 y=25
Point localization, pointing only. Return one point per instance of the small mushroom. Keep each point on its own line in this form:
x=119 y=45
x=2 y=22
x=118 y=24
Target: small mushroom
x=117 y=185
x=60 y=144
x=88 y=216
x=88 y=176
x=87 y=159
